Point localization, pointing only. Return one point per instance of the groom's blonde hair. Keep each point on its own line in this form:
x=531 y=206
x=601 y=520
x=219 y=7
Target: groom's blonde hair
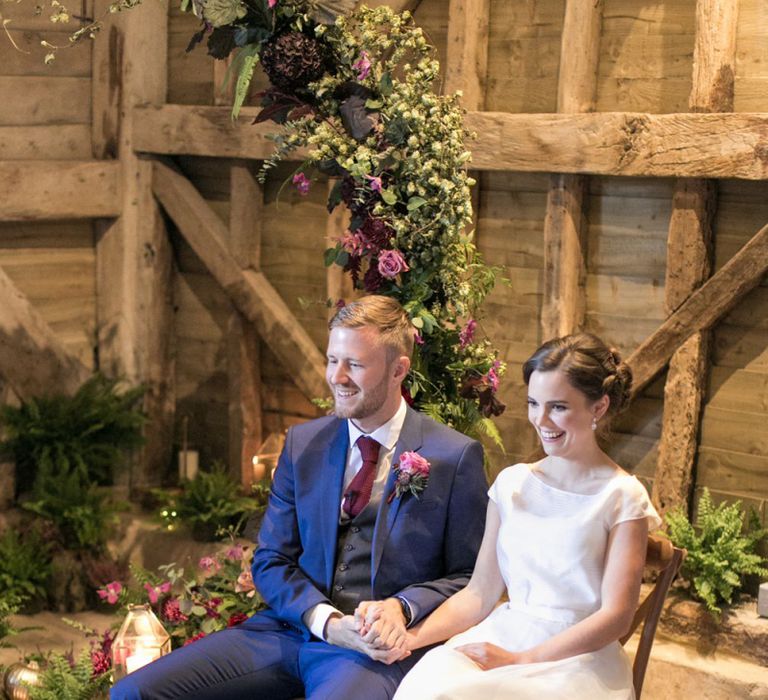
x=386 y=315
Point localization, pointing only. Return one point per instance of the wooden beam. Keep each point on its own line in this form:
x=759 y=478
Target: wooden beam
x=243 y=352
x=708 y=304
x=35 y=190
x=249 y=291
x=565 y=251
x=732 y=145
x=467 y=51
x=337 y=282
x=133 y=254
x=565 y=220
x=32 y=360
x=689 y=261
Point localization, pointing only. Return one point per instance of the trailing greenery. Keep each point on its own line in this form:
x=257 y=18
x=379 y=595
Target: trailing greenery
x=720 y=553
x=25 y=567
x=62 y=680
x=9 y=605
x=210 y=503
x=83 y=436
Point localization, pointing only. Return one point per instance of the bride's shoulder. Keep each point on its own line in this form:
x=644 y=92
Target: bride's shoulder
x=513 y=473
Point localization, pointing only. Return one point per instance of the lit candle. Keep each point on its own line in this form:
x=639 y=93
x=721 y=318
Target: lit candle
x=259 y=469
x=141 y=657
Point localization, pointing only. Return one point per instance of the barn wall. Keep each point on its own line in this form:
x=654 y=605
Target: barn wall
x=645 y=64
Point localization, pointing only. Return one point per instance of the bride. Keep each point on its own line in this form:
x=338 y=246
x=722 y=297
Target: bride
x=565 y=538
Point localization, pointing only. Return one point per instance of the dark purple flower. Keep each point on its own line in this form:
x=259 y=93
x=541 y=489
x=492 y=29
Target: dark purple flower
x=467 y=333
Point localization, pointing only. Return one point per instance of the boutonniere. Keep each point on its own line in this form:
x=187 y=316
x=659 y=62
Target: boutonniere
x=412 y=472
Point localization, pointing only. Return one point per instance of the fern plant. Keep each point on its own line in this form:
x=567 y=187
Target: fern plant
x=85 y=433
x=720 y=553
x=25 y=567
x=63 y=680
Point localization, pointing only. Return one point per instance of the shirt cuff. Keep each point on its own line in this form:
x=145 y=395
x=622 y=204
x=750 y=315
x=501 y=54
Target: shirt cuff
x=316 y=618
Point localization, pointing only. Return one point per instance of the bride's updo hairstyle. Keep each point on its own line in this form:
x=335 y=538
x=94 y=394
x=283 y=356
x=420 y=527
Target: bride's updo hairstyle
x=589 y=365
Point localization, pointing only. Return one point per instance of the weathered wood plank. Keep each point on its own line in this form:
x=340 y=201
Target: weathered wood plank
x=44 y=100
x=54 y=142
x=32 y=360
x=61 y=190
x=243 y=355
x=718 y=295
x=689 y=260
x=609 y=143
x=467 y=51
x=134 y=257
x=248 y=290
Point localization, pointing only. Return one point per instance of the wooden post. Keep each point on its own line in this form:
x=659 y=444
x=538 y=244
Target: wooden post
x=243 y=354
x=338 y=283
x=133 y=254
x=223 y=94
x=565 y=238
x=689 y=260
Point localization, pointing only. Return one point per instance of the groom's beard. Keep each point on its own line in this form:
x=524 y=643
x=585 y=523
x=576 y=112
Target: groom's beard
x=364 y=404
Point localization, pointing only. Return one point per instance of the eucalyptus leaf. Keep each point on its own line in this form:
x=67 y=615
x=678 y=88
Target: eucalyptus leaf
x=416 y=202
x=198 y=610
x=329 y=257
x=385 y=84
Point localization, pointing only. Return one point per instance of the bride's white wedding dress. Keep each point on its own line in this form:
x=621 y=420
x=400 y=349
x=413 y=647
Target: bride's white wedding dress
x=551 y=550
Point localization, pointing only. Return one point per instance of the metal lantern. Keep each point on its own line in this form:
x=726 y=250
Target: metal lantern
x=18 y=678
x=141 y=640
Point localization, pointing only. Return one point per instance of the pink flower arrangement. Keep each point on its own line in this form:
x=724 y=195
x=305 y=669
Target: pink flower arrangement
x=301 y=183
x=154 y=592
x=412 y=475
x=375 y=183
x=172 y=611
x=111 y=592
x=493 y=377
x=362 y=66
x=244 y=584
x=391 y=263
x=353 y=243
x=271 y=3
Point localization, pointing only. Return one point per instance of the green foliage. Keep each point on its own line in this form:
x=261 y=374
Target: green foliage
x=83 y=515
x=61 y=680
x=9 y=605
x=719 y=552
x=212 y=502
x=85 y=434
x=25 y=567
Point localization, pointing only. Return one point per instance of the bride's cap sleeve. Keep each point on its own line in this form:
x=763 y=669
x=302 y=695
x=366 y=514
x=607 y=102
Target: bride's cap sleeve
x=506 y=482
x=631 y=502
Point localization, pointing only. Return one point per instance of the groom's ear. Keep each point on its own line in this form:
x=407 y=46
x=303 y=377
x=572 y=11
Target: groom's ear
x=400 y=367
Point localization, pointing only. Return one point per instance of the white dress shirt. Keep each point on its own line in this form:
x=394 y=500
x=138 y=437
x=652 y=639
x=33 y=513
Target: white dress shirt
x=387 y=436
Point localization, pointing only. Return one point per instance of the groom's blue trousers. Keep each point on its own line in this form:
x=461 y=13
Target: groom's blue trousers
x=244 y=663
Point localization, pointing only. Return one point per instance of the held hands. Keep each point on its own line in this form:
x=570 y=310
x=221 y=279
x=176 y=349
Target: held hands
x=381 y=623
x=344 y=631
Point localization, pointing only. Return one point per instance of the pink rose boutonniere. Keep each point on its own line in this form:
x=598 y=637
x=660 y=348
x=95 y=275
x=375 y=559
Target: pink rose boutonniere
x=412 y=472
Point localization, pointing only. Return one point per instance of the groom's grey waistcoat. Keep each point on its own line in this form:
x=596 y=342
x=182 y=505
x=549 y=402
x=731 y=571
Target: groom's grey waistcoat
x=352 y=574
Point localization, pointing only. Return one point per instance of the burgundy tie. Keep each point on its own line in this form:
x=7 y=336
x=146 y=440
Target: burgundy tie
x=358 y=492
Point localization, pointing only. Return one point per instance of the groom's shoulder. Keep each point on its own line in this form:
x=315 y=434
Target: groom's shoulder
x=313 y=428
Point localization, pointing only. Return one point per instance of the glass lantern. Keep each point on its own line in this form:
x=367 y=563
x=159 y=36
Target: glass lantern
x=265 y=460
x=141 y=640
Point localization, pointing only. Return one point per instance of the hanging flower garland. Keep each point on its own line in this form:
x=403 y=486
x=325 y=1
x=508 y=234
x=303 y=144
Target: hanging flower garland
x=354 y=94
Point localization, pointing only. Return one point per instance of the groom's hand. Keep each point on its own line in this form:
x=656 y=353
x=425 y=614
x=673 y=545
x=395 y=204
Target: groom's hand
x=381 y=623
x=342 y=631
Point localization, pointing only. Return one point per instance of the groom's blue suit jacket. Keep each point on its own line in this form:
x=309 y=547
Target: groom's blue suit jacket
x=423 y=548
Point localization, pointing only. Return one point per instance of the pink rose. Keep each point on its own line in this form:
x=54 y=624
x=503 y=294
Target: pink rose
x=415 y=464
x=110 y=592
x=391 y=263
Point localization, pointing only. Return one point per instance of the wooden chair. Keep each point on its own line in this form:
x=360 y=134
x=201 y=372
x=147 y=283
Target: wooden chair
x=664 y=557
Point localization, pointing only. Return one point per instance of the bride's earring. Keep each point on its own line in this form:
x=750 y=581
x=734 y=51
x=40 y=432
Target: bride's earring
x=594 y=424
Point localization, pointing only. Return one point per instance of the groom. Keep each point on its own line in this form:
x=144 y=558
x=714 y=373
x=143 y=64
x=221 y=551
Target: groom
x=339 y=533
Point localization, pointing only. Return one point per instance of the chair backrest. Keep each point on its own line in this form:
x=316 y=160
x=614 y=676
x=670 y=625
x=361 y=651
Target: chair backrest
x=664 y=557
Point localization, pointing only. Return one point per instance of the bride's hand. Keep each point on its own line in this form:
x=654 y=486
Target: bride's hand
x=488 y=656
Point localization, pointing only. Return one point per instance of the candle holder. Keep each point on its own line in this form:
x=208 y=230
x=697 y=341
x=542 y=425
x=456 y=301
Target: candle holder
x=19 y=678
x=265 y=460
x=141 y=640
